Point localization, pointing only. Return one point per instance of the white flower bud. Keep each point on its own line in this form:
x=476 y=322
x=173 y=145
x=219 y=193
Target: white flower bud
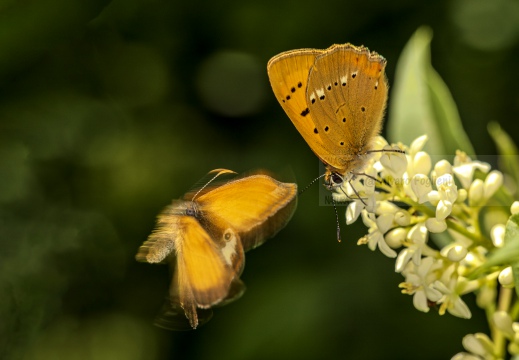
x=435 y=226
x=478 y=344
x=513 y=347
x=471 y=343
x=506 y=277
x=386 y=207
x=434 y=197
x=422 y=163
x=402 y=218
x=442 y=167
x=395 y=238
x=456 y=253
x=514 y=209
x=462 y=196
x=503 y=322
x=497 y=233
x=476 y=192
x=493 y=181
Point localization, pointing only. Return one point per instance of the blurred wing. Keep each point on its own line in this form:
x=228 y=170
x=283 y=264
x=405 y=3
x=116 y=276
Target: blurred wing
x=202 y=278
x=288 y=74
x=256 y=207
x=162 y=240
x=349 y=87
x=172 y=316
x=235 y=292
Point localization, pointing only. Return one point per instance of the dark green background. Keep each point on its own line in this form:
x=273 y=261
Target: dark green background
x=108 y=110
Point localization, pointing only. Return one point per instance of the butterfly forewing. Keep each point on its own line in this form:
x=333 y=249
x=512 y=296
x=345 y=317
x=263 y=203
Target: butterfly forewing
x=164 y=237
x=256 y=207
x=288 y=75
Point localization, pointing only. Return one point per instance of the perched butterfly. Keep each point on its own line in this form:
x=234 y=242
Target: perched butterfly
x=336 y=99
x=204 y=236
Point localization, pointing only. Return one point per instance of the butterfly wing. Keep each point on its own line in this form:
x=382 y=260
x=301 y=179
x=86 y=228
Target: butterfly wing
x=161 y=242
x=288 y=75
x=172 y=316
x=202 y=275
x=347 y=94
x=256 y=207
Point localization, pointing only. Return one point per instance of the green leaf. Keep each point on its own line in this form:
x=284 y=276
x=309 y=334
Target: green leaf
x=506 y=255
x=508 y=161
x=422 y=104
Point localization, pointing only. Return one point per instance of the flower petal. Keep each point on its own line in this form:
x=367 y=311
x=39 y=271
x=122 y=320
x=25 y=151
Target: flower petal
x=421 y=186
x=420 y=301
x=418 y=144
x=443 y=209
x=353 y=211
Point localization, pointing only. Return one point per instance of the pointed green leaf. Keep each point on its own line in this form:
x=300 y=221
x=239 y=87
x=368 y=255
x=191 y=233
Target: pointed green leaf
x=422 y=104
x=447 y=116
x=508 y=254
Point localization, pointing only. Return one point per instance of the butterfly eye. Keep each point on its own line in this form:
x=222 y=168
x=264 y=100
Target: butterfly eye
x=190 y=211
x=336 y=179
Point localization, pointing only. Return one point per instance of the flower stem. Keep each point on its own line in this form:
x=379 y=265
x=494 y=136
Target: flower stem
x=477 y=238
x=505 y=298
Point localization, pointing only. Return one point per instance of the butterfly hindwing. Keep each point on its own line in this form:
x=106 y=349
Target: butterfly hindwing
x=350 y=89
x=201 y=266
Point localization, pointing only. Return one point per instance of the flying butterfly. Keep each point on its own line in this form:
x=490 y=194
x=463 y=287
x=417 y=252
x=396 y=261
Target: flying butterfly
x=336 y=99
x=204 y=236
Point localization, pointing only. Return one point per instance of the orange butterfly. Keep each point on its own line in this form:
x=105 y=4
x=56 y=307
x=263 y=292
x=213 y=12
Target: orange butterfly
x=204 y=237
x=336 y=99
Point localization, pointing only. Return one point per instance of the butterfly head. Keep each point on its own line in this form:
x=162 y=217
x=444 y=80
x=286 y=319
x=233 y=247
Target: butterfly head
x=332 y=179
x=191 y=210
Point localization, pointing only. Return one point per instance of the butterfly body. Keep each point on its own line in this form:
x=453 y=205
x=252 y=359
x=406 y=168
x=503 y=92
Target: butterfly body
x=204 y=237
x=336 y=99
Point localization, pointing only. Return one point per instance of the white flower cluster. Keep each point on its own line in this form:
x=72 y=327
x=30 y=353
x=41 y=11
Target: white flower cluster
x=412 y=198
x=479 y=346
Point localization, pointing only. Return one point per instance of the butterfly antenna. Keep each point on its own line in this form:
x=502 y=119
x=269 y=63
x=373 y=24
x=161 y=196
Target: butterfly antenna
x=220 y=172
x=311 y=183
x=387 y=150
x=337 y=220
